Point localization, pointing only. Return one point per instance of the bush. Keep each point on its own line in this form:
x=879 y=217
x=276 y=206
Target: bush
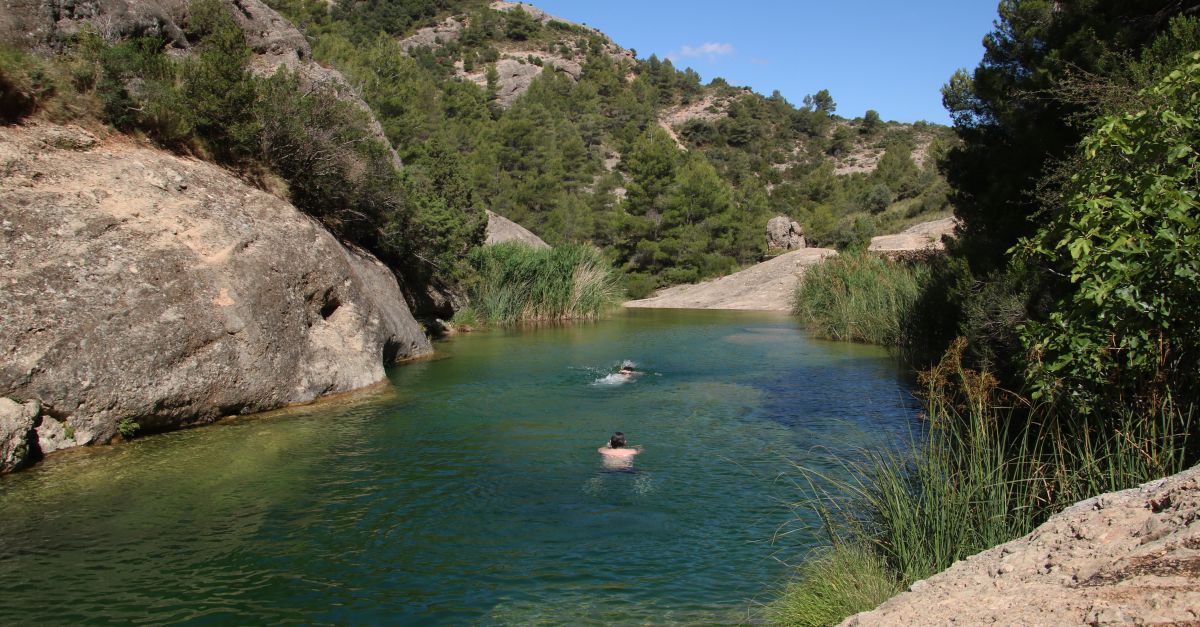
x=859 y=297
x=516 y=283
x=1129 y=241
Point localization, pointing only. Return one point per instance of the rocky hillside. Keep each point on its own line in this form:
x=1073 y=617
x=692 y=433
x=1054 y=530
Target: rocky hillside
x=1123 y=558
x=146 y=292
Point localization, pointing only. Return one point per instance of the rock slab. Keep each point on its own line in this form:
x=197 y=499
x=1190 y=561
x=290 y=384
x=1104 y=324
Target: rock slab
x=142 y=285
x=1123 y=558
x=767 y=286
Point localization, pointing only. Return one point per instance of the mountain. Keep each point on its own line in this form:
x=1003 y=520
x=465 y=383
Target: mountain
x=562 y=130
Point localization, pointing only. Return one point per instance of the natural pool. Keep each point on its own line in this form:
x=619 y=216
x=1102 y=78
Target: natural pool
x=468 y=490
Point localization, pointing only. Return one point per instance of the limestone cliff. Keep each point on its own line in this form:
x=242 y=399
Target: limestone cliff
x=155 y=289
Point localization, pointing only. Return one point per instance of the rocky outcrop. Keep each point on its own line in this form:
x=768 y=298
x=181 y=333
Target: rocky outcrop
x=165 y=291
x=447 y=31
x=1123 y=558
x=500 y=229
x=785 y=233
x=767 y=286
x=922 y=238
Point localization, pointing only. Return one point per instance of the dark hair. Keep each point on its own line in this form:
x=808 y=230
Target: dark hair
x=617 y=440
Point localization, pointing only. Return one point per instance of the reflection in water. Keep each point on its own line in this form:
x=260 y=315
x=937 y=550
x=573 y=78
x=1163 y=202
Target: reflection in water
x=466 y=491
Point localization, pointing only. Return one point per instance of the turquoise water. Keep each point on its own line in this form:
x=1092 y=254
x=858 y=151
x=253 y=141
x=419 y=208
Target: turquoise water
x=469 y=489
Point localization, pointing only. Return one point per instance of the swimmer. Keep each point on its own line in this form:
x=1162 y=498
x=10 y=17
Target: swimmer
x=626 y=371
x=617 y=452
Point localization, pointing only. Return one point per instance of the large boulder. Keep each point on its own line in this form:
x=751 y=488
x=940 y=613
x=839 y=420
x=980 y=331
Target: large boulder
x=784 y=233
x=500 y=229
x=164 y=290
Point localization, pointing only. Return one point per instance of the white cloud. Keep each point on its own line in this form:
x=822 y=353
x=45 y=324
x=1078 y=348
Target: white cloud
x=709 y=50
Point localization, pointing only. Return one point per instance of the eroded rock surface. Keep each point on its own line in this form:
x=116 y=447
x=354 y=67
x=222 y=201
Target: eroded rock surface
x=500 y=229
x=147 y=286
x=1123 y=558
x=16 y=428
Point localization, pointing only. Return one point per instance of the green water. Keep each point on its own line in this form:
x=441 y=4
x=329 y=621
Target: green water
x=467 y=491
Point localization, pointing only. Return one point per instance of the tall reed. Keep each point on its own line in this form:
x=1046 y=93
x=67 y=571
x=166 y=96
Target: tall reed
x=516 y=282
x=990 y=467
x=859 y=297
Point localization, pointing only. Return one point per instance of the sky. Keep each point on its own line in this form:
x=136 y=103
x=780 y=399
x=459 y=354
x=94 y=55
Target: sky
x=889 y=55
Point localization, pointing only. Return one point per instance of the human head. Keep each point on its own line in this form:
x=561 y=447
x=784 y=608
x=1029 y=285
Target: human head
x=617 y=440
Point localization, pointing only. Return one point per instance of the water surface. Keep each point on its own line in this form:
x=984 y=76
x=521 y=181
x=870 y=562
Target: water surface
x=468 y=490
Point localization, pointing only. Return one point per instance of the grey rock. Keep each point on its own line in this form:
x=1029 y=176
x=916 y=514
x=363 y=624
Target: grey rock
x=16 y=428
x=784 y=233
x=144 y=285
x=500 y=229
x=448 y=31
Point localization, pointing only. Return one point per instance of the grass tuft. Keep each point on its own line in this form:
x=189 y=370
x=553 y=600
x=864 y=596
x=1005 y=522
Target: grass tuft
x=858 y=297
x=832 y=584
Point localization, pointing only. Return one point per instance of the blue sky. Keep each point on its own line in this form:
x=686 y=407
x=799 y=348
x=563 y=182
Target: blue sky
x=891 y=56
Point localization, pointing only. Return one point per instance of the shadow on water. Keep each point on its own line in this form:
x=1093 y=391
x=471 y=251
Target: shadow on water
x=469 y=490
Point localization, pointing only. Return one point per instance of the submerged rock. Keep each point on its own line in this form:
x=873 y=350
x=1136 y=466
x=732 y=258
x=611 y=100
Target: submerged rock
x=165 y=290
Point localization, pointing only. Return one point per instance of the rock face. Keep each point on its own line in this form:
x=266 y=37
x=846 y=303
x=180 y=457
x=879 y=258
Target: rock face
x=1124 y=558
x=147 y=286
x=767 y=286
x=785 y=233
x=500 y=229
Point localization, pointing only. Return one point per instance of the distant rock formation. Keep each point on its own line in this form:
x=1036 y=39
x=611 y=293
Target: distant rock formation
x=917 y=239
x=1122 y=558
x=767 y=286
x=163 y=291
x=500 y=229
x=785 y=233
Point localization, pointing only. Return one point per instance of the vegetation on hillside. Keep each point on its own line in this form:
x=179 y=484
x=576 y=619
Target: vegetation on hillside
x=423 y=220
x=587 y=161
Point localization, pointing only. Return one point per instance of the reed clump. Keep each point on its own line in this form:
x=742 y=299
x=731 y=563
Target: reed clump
x=859 y=297
x=516 y=283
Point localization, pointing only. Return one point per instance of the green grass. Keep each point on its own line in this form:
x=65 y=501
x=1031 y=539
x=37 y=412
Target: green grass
x=859 y=297
x=518 y=283
x=832 y=584
x=990 y=468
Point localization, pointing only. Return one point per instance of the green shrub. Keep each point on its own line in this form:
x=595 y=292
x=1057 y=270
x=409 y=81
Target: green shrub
x=859 y=297
x=128 y=427
x=1128 y=239
x=516 y=282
